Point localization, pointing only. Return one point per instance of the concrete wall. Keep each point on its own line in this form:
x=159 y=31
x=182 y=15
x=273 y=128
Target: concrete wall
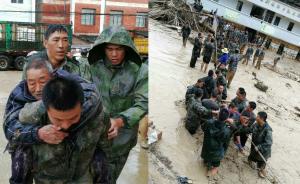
x=27 y=5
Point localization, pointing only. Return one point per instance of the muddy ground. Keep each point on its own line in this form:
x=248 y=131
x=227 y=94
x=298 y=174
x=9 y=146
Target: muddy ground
x=136 y=168
x=178 y=153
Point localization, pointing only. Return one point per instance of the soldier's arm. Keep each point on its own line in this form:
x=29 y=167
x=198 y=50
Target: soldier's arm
x=267 y=142
x=85 y=71
x=32 y=112
x=140 y=106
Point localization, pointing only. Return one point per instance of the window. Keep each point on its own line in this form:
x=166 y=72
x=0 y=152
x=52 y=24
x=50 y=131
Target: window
x=239 y=5
x=276 y=21
x=88 y=16
x=141 y=20
x=25 y=34
x=17 y=1
x=290 y=27
x=269 y=16
x=115 y=18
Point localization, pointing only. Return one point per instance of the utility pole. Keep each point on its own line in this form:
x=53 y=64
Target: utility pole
x=102 y=16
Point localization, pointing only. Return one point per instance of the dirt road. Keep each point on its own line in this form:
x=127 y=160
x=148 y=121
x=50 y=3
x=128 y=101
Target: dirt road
x=135 y=170
x=178 y=153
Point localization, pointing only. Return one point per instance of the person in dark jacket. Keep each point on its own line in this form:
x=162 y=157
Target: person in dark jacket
x=248 y=54
x=195 y=112
x=210 y=83
x=191 y=90
x=215 y=142
x=220 y=80
x=186 y=31
x=232 y=66
x=261 y=57
x=208 y=51
x=262 y=143
x=240 y=100
x=196 y=50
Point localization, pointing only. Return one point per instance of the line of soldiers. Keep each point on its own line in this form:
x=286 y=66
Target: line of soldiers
x=220 y=120
x=75 y=122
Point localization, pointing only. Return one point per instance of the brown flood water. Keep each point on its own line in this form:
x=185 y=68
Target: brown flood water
x=178 y=153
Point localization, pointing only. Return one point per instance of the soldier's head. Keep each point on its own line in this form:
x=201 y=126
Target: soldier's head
x=56 y=43
x=200 y=83
x=261 y=117
x=251 y=106
x=220 y=88
x=115 y=45
x=63 y=99
x=115 y=53
x=214 y=95
x=198 y=93
x=241 y=94
x=232 y=107
x=244 y=118
x=224 y=114
x=37 y=73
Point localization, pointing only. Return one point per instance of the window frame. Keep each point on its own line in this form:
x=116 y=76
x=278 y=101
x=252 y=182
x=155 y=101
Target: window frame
x=88 y=18
x=116 y=18
x=141 y=20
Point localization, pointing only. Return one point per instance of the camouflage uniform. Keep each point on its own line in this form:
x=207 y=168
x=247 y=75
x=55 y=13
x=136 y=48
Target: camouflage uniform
x=70 y=65
x=195 y=111
x=261 y=56
x=262 y=138
x=215 y=142
x=124 y=90
x=70 y=160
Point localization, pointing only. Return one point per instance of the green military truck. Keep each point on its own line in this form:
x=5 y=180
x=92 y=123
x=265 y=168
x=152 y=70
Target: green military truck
x=17 y=39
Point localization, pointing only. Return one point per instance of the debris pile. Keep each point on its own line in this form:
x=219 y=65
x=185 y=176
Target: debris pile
x=179 y=13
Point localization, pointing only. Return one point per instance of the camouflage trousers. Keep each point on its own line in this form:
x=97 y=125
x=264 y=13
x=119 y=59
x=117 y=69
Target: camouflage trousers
x=116 y=166
x=21 y=165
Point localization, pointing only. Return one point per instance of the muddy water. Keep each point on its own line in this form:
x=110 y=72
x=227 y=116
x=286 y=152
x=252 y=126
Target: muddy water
x=178 y=152
x=135 y=170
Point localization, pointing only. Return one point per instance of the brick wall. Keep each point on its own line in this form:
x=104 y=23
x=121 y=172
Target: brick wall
x=86 y=29
x=129 y=22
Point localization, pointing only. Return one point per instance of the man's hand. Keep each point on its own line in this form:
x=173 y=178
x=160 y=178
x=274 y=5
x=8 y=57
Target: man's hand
x=51 y=134
x=229 y=120
x=115 y=124
x=256 y=148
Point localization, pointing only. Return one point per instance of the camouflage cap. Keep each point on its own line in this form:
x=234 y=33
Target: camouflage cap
x=114 y=35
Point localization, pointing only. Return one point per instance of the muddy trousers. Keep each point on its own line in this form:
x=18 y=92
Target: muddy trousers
x=184 y=40
x=258 y=64
x=21 y=165
x=191 y=126
x=230 y=76
x=193 y=62
x=116 y=166
x=210 y=164
x=260 y=164
x=100 y=168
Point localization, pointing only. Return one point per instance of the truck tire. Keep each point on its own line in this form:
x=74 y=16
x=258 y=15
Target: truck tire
x=4 y=63
x=19 y=62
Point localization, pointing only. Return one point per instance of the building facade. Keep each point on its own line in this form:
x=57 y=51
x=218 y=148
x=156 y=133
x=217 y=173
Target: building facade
x=53 y=11
x=18 y=10
x=277 y=20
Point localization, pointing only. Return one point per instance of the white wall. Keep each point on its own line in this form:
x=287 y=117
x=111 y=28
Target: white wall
x=27 y=5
